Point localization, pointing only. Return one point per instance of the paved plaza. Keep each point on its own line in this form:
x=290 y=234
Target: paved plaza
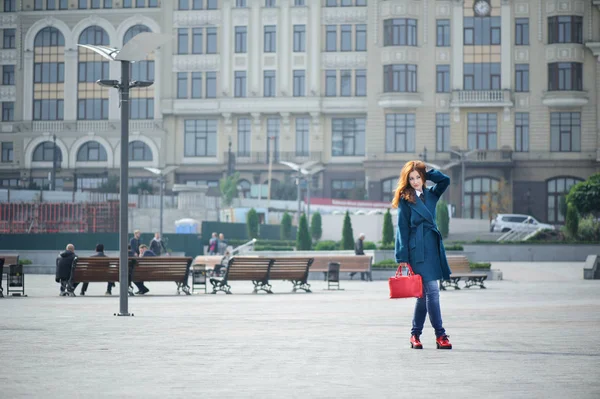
x=533 y=335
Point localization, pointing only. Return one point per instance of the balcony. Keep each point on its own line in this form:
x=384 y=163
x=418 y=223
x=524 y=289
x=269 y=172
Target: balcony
x=565 y=99
x=48 y=126
x=481 y=98
x=499 y=157
x=261 y=157
x=400 y=100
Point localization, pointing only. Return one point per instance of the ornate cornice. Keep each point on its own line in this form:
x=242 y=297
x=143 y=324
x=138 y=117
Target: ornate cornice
x=8 y=19
x=183 y=19
x=8 y=93
x=8 y=56
x=196 y=63
x=340 y=15
x=343 y=60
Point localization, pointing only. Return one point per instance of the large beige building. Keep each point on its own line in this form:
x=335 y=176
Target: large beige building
x=360 y=86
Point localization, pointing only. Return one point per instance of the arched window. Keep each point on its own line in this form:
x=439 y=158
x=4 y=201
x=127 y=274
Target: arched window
x=139 y=151
x=557 y=188
x=92 y=99
x=92 y=151
x=44 y=152
x=476 y=190
x=388 y=187
x=142 y=100
x=244 y=186
x=48 y=75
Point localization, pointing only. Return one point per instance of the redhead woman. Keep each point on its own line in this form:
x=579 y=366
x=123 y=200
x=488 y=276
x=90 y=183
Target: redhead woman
x=419 y=243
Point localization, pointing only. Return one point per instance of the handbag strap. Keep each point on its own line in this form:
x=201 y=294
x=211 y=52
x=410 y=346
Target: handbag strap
x=410 y=271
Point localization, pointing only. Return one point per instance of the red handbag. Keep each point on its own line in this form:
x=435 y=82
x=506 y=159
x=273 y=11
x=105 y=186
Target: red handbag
x=409 y=286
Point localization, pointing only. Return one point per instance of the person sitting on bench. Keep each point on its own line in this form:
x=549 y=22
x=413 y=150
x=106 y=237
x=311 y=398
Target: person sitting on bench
x=144 y=251
x=64 y=263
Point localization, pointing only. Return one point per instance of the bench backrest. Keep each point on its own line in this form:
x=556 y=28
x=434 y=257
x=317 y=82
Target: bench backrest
x=10 y=259
x=160 y=268
x=458 y=264
x=290 y=268
x=248 y=268
x=96 y=269
x=209 y=261
x=348 y=263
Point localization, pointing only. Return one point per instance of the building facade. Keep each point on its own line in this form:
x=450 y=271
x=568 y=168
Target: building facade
x=505 y=90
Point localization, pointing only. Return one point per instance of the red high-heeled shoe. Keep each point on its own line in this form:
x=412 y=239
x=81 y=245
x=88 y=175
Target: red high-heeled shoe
x=443 y=342
x=415 y=342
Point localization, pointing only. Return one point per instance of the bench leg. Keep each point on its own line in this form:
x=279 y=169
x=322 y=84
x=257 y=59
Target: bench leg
x=262 y=286
x=220 y=285
x=301 y=285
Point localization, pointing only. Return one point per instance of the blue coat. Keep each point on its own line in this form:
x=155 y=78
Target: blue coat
x=418 y=240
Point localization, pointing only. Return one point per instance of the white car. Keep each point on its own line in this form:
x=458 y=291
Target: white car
x=507 y=222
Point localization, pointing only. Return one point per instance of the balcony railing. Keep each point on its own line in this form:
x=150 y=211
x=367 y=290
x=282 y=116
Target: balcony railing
x=263 y=158
x=48 y=126
x=481 y=98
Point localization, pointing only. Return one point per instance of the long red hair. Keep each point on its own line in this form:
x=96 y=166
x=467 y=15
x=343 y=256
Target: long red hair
x=404 y=189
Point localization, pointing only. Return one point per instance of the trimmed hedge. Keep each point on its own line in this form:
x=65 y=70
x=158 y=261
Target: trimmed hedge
x=385 y=264
x=480 y=265
x=454 y=247
x=326 y=245
x=272 y=248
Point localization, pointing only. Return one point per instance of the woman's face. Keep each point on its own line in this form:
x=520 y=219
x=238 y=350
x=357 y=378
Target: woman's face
x=414 y=178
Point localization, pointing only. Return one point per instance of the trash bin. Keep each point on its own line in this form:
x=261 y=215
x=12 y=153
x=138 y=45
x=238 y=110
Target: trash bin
x=15 y=281
x=199 y=277
x=333 y=275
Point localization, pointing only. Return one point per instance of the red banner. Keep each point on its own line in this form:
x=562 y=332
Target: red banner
x=349 y=203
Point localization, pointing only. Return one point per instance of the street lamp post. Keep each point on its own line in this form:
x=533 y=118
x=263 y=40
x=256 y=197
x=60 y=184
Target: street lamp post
x=161 y=173
x=463 y=154
x=53 y=180
x=304 y=171
x=135 y=50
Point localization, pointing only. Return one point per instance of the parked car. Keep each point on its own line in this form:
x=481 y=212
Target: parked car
x=506 y=222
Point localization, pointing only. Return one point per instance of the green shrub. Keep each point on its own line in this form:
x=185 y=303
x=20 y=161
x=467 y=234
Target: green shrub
x=285 y=229
x=589 y=229
x=480 y=265
x=347 y=234
x=388 y=229
x=387 y=246
x=385 y=264
x=454 y=247
x=326 y=245
x=572 y=221
x=369 y=245
x=303 y=241
x=316 y=230
x=25 y=262
x=252 y=223
x=442 y=218
x=272 y=248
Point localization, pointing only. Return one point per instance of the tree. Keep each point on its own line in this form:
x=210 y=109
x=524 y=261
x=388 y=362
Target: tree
x=572 y=220
x=228 y=188
x=303 y=241
x=496 y=202
x=285 y=229
x=347 y=234
x=585 y=196
x=388 y=229
x=442 y=218
x=252 y=223
x=316 y=230
x=111 y=185
x=143 y=187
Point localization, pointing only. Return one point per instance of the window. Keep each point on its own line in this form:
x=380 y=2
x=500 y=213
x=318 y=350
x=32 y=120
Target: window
x=331 y=38
x=346 y=83
x=92 y=151
x=92 y=100
x=299 y=38
x=8 y=75
x=388 y=188
x=200 y=138
x=299 y=3
x=270 y=39
x=182 y=85
x=565 y=76
x=95 y=4
x=8 y=111
x=400 y=32
x=211 y=40
x=7 y=152
x=126 y=3
x=479 y=31
x=361 y=83
x=565 y=29
x=330 y=83
x=273 y=138
x=299 y=83
x=269 y=3
x=361 y=3
x=558 y=188
x=44 y=152
x=48 y=75
x=212 y=4
x=82 y=4
x=244 y=132
x=9 y=38
x=521 y=131
x=9 y=182
x=92 y=109
x=269 y=88
x=331 y=3
x=346 y=3
x=361 y=37
x=400 y=78
x=38 y=5
x=240 y=84
x=184 y=4
x=142 y=108
x=139 y=151
x=481 y=76
x=522 y=77
x=400 y=133
x=63 y=4
x=197 y=40
x=302 y=136
x=107 y=3
x=443 y=33
x=522 y=31
x=182 y=41
x=482 y=131
x=211 y=85
x=240 y=3
x=240 y=39
x=565 y=131
x=477 y=190
x=346 y=37
x=348 y=136
x=442 y=79
x=442 y=132
x=348 y=189
x=196 y=84
x=10 y=5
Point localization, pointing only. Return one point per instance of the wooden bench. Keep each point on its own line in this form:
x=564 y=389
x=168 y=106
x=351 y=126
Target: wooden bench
x=95 y=270
x=292 y=269
x=7 y=260
x=245 y=268
x=163 y=268
x=459 y=264
x=348 y=264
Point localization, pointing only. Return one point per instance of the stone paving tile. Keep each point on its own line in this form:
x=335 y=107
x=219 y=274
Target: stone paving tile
x=533 y=335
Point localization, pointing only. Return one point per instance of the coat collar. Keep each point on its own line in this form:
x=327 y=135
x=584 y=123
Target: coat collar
x=420 y=207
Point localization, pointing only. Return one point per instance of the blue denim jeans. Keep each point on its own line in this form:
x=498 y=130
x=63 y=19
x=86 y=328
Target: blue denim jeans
x=429 y=303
